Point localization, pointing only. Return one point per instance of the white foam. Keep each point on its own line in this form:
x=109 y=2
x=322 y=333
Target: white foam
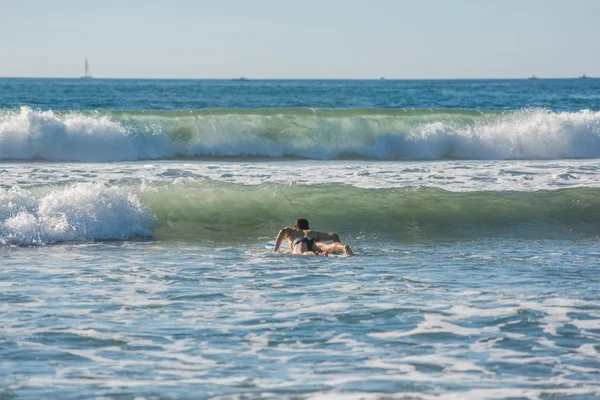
x=434 y=323
x=463 y=311
x=530 y=134
x=321 y=308
x=79 y=212
x=30 y=134
x=588 y=349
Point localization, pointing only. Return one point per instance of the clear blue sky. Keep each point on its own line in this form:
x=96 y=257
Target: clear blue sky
x=300 y=39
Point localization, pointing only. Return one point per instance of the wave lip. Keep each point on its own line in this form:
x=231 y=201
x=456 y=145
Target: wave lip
x=80 y=212
x=535 y=134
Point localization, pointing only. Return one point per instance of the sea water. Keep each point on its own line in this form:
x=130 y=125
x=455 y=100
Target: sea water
x=134 y=214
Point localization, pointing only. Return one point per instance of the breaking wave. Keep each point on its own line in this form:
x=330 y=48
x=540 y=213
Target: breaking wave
x=212 y=212
x=27 y=134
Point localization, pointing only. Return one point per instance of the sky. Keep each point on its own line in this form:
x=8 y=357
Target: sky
x=301 y=39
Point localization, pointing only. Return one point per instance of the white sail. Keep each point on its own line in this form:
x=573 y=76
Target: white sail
x=87 y=74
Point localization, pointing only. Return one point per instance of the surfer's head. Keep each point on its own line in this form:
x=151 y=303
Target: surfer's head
x=301 y=223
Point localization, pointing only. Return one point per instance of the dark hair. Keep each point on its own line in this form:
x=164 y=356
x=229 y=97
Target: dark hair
x=301 y=223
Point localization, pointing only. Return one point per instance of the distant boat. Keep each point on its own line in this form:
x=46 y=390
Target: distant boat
x=584 y=76
x=87 y=71
x=382 y=78
x=532 y=77
x=240 y=79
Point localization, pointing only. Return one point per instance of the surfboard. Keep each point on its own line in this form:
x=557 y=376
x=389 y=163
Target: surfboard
x=271 y=245
x=286 y=249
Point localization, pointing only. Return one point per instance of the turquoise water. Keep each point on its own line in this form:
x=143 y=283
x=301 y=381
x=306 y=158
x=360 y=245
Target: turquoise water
x=134 y=214
x=146 y=94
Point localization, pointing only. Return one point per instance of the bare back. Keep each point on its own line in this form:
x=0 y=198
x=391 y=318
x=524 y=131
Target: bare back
x=291 y=235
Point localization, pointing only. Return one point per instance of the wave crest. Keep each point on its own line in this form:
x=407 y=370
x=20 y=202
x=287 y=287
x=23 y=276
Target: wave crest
x=317 y=134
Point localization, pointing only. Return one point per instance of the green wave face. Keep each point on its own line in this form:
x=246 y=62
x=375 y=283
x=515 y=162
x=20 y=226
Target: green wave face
x=220 y=212
x=289 y=132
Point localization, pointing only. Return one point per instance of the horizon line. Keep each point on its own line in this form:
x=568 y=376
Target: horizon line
x=246 y=79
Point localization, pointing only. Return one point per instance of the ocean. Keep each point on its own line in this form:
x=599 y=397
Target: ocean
x=134 y=216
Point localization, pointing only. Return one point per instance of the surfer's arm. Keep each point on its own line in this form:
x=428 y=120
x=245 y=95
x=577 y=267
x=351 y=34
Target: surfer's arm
x=322 y=236
x=282 y=235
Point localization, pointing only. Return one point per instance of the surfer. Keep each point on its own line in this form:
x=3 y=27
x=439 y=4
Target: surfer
x=302 y=240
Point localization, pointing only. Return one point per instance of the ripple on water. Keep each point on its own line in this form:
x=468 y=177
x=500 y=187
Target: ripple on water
x=148 y=319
